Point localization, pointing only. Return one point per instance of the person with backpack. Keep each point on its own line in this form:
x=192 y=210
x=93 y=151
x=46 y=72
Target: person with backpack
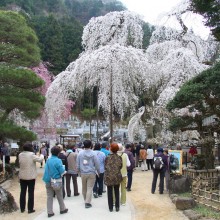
x=159 y=168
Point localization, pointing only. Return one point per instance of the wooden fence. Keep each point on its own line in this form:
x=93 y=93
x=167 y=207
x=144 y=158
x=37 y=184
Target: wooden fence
x=205 y=186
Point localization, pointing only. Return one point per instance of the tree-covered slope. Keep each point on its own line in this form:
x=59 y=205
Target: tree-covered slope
x=59 y=25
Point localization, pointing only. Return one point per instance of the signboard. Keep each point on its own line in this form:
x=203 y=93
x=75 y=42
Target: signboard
x=176 y=161
x=62 y=130
x=14 y=146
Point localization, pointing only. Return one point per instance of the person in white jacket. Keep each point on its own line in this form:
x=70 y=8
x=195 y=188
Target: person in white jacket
x=28 y=175
x=150 y=156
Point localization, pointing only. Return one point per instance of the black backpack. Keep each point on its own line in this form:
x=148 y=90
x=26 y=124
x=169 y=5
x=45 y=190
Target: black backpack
x=158 y=163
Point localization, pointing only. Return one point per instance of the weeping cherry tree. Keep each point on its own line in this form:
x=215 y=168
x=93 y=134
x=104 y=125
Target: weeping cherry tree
x=176 y=56
x=112 y=61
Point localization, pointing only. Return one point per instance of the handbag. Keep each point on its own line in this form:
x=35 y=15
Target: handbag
x=56 y=184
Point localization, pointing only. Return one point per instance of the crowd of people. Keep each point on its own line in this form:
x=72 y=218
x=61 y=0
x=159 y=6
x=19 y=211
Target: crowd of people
x=101 y=167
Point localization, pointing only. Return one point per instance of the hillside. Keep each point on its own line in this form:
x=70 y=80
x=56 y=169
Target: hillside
x=59 y=25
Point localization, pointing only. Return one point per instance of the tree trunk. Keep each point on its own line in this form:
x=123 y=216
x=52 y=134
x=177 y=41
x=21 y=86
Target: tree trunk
x=208 y=144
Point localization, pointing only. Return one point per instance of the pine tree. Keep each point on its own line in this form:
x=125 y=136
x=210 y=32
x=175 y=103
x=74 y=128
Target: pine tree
x=19 y=99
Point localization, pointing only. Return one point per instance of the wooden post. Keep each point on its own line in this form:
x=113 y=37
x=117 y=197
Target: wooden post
x=3 y=163
x=97 y=116
x=111 y=109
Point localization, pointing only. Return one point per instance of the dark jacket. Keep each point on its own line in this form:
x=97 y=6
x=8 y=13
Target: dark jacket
x=164 y=158
x=63 y=157
x=131 y=158
x=137 y=150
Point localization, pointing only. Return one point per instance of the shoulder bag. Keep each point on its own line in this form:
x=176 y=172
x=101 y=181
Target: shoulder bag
x=56 y=184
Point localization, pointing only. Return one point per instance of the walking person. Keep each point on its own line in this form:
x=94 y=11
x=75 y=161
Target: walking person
x=71 y=171
x=130 y=169
x=106 y=152
x=5 y=151
x=150 y=156
x=62 y=156
x=54 y=169
x=43 y=151
x=36 y=148
x=167 y=171
x=137 y=151
x=88 y=167
x=125 y=163
x=98 y=186
x=27 y=175
x=112 y=176
x=159 y=168
x=143 y=158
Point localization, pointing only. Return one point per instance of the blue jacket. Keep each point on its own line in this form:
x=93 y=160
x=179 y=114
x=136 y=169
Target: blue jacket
x=53 y=169
x=105 y=151
x=101 y=157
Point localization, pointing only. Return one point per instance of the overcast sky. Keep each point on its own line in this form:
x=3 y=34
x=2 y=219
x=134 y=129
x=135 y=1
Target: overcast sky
x=151 y=9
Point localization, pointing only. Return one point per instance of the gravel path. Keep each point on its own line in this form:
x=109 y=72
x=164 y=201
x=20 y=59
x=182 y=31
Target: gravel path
x=151 y=206
x=141 y=205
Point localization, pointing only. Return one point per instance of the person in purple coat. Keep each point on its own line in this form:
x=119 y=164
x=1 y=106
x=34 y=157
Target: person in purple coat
x=159 y=170
x=130 y=169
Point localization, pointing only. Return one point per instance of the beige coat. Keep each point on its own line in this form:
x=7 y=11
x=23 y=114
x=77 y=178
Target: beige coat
x=27 y=162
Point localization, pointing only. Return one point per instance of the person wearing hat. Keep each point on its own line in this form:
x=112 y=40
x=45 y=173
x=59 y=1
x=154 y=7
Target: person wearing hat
x=159 y=168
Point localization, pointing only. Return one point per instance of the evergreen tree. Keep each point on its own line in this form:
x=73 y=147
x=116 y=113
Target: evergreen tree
x=196 y=100
x=51 y=38
x=18 y=41
x=72 y=33
x=210 y=10
x=19 y=99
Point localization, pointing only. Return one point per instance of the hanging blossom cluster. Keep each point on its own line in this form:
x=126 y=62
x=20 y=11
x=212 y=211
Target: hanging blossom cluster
x=135 y=124
x=111 y=60
x=42 y=71
x=175 y=59
x=175 y=56
x=124 y=28
x=41 y=125
x=58 y=105
x=126 y=65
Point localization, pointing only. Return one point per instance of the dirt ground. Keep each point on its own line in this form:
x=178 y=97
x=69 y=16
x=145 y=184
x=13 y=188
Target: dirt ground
x=145 y=204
